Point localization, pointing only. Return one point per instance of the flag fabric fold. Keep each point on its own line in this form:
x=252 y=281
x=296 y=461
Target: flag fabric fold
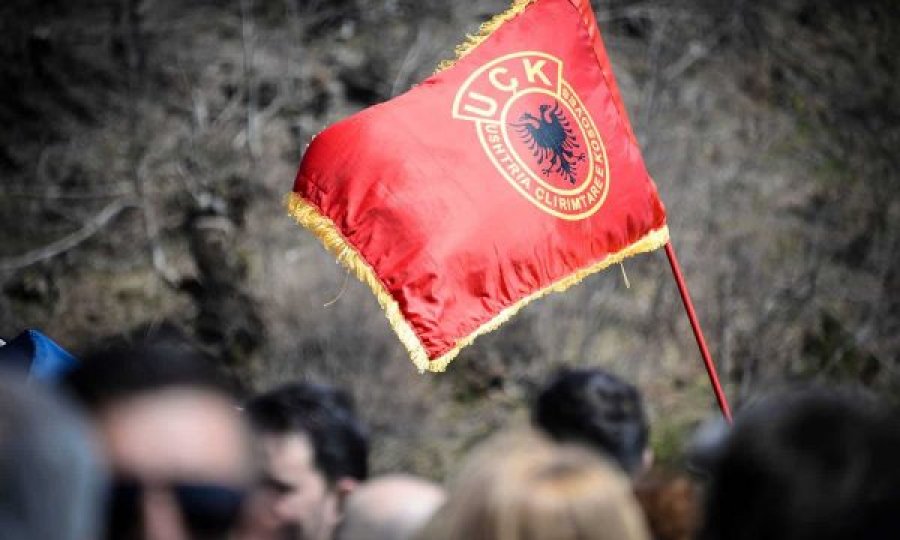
x=510 y=173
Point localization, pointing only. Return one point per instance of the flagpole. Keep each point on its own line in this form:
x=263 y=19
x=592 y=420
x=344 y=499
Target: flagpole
x=698 y=332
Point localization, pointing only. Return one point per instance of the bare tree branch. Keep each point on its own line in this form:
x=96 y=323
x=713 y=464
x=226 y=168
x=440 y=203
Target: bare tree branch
x=696 y=51
x=71 y=241
x=401 y=81
x=151 y=228
x=53 y=194
x=247 y=42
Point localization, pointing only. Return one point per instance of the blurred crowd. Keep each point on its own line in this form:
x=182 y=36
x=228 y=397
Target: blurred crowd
x=148 y=440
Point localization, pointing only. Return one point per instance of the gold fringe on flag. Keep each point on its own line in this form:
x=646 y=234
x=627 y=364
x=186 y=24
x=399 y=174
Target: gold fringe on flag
x=327 y=232
x=484 y=31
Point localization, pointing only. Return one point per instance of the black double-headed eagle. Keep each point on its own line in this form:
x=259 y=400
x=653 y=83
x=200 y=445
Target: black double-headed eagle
x=549 y=137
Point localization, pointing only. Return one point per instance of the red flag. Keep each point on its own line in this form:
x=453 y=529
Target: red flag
x=510 y=173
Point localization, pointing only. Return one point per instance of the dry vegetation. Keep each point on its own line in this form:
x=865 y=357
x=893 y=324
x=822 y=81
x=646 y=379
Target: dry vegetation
x=146 y=145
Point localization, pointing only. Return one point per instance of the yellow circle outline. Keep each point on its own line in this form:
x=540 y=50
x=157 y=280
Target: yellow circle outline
x=504 y=125
x=480 y=123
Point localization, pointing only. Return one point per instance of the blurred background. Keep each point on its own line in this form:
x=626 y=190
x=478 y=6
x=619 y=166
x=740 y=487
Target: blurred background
x=146 y=147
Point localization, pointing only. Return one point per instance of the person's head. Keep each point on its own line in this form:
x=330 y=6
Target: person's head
x=391 y=507
x=596 y=408
x=51 y=478
x=315 y=452
x=814 y=465
x=522 y=487
x=174 y=437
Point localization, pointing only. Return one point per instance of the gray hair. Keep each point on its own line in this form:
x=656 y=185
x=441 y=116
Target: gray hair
x=51 y=480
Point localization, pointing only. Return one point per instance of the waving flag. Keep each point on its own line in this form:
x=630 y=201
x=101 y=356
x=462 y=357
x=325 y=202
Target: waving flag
x=510 y=173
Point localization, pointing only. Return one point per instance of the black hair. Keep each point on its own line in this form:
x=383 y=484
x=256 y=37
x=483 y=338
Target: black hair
x=814 y=465
x=124 y=369
x=323 y=413
x=594 y=407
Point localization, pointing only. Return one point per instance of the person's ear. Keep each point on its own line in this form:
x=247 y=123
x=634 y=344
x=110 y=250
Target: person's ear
x=343 y=488
x=647 y=460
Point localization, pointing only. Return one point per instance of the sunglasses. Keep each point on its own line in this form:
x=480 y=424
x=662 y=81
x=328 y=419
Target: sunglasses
x=208 y=510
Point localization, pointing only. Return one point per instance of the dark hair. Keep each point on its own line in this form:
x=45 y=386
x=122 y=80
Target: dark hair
x=325 y=415
x=816 y=465
x=596 y=408
x=123 y=370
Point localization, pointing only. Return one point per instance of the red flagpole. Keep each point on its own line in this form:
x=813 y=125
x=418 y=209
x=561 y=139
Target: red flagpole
x=698 y=332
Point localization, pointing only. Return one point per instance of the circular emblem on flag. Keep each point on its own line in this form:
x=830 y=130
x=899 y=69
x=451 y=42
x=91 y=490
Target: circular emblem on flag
x=537 y=132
